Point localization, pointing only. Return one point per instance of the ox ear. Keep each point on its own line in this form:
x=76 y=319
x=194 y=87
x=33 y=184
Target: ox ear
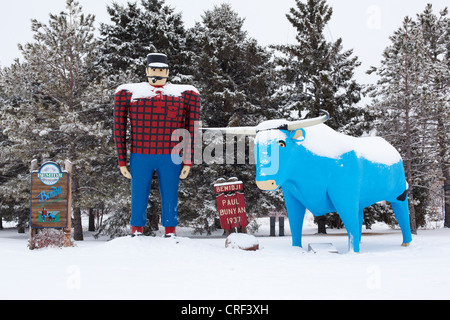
x=299 y=135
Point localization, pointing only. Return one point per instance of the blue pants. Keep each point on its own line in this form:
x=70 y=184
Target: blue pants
x=142 y=168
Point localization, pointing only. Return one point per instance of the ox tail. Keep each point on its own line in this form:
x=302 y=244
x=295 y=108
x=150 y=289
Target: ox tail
x=403 y=196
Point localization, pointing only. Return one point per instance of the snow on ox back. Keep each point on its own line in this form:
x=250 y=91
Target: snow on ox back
x=325 y=142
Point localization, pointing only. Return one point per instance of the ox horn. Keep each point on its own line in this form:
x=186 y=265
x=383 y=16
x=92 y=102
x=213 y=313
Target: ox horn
x=273 y=124
x=248 y=131
x=294 y=125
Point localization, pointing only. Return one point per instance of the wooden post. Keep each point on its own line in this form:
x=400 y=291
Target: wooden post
x=321 y=225
x=272 y=226
x=34 y=167
x=281 y=226
x=68 y=230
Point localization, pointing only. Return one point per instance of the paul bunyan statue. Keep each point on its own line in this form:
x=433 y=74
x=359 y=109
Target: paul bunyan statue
x=157 y=110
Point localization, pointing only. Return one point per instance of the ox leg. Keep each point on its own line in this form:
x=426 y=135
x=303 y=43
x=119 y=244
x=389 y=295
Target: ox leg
x=361 y=221
x=296 y=213
x=351 y=223
x=349 y=213
x=401 y=212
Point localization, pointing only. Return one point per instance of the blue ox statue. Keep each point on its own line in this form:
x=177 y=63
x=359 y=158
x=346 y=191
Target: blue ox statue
x=325 y=171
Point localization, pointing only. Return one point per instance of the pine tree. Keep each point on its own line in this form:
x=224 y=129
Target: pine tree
x=436 y=37
x=396 y=86
x=233 y=71
x=60 y=120
x=137 y=30
x=15 y=193
x=14 y=187
x=411 y=109
x=234 y=75
x=316 y=74
x=23 y=129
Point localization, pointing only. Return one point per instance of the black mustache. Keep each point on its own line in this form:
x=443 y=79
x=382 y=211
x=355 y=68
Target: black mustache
x=154 y=78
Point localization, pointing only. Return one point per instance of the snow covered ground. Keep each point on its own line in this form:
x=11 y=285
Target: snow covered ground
x=201 y=268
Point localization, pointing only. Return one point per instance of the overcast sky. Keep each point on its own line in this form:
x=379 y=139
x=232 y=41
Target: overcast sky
x=364 y=25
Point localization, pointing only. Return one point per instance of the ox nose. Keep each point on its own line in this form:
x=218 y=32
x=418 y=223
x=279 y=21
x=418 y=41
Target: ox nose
x=267 y=185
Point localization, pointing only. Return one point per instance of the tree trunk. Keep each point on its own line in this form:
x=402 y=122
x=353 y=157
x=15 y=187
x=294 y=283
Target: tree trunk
x=77 y=227
x=443 y=149
x=412 y=211
x=447 y=198
x=91 y=220
x=154 y=221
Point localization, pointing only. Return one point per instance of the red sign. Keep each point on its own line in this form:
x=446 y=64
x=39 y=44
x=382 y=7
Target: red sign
x=231 y=205
x=229 y=187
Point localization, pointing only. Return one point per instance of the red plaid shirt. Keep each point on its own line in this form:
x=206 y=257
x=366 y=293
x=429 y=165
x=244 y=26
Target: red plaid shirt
x=155 y=113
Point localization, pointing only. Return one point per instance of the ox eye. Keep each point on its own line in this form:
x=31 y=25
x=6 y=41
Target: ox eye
x=282 y=144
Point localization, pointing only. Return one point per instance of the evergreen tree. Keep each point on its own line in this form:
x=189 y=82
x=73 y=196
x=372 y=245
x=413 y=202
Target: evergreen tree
x=234 y=75
x=137 y=30
x=400 y=82
x=316 y=74
x=14 y=192
x=50 y=100
x=232 y=70
x=436 y=37
x=411 y=107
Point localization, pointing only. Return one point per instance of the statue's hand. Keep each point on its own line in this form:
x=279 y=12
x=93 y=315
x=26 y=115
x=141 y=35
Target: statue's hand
x=185 y=172
x=125 y=172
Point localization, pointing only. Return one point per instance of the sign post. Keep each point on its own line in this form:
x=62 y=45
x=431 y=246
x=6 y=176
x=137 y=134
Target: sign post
x=50 y=198
x=231 y=204
x=68 y=229
x=273 y=218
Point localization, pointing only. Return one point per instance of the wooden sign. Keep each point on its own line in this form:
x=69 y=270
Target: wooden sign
x=49 y=197
x=231 y=205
